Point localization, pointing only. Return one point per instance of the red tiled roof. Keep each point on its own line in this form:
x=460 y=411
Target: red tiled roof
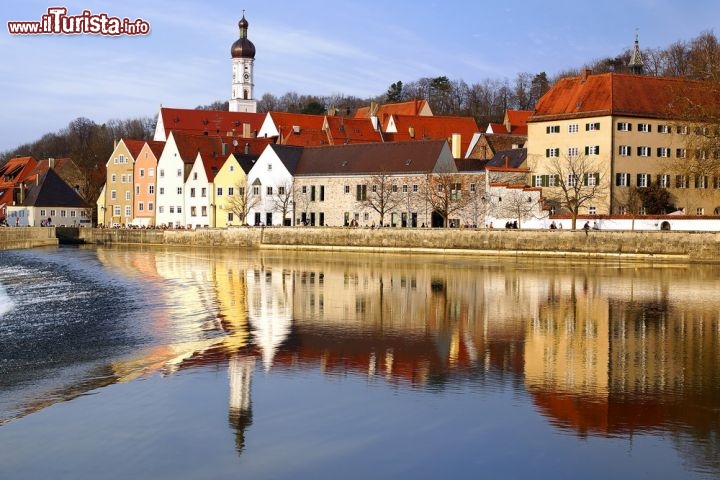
x=189 y=145
x=16 y=169
x=621 y=95
x=304 y=137
x=497 y=128
x=285 y=122
x=257 y=145
x=344 y=130
x=434 y=128
x=218 y=122
x=134 y=146
x=212 y=164
x=412 y=107
x=156 y=147
x=518 y=118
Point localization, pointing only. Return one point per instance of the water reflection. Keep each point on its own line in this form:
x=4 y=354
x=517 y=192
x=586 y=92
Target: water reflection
x=601 y=350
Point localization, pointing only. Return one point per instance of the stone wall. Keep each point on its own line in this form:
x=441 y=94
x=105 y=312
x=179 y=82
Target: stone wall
x=27 y=237
x=646 y=245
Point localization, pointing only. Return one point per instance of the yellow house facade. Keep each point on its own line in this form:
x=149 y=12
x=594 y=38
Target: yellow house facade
x=229 y=182
x=119 y=183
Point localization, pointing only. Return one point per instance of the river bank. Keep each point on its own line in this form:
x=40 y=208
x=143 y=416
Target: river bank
x=27 y=237
x=656 y=246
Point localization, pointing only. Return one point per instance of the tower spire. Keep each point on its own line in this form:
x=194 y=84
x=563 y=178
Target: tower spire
x=636 y=63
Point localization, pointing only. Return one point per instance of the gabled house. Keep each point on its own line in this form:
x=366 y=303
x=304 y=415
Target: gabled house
x=270 y=181
x=50 y=201
x=174 y=166
x=145 y=176
x=514 y=123
x=119 y=182
x=344 y=130
x=414 y=108
x=230 y=185
x=199 y=193
x=12 y=174
x=228 y=125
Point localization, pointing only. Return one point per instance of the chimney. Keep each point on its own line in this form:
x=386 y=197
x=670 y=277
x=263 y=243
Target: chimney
x=246 y=130
x=247 y=148
x=296 y=129
x=225 y=149
x=51 y=163
x=456 y=148
x=585 y=74
x=507 y=161
x=411 y=132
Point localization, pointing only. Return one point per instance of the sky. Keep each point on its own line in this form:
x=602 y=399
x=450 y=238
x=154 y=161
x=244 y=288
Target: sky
x=350 y=47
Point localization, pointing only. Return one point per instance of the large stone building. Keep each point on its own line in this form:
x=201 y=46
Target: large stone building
x=615 y=132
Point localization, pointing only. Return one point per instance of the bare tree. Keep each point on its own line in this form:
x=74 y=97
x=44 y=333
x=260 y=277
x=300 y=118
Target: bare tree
x=444 y=193
x=515 y=203
x=630 y=202
x=282 y=199
x=574 y=182
x=382 y=195
x=241 y=202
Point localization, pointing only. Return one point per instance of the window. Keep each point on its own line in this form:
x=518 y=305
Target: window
x=179 y=172
x=700 y=154
x=322 y=193
x=137 y=189
x=716 y=185
x=643 y=151
x=162 y=173
x=415 y=188
x=374 y=188
x=179 y=190
x=573 y=128
x=682 y=129
x=643 y=179
x=663 y=181
x=404 y=188
x=231 y=191
x=128 y=210
x=128 y=195
x=269 y=190
x=116 y=211
x=360 y=192
x=664 y=129
x=455 y=192
x=203 y=192
x=113 y=178
x=592 y=127
x=552 y=152
x=347 y=188
x=230 y=215
x=203 y=210
x=625 y=150
x=552 y=129
x=269 y=166
x=161 y=209
x=573 y=152
x=172 y=209
x=680 y=153
x=545 y=180
x=141 y=206
x=304 y=189
x=572 y=180
x=123 y=178
x=193 y=211
x=73 y=213
x=142 y=172
x=42 y=213
x=151 y=206
x=113 y=195
x=179 y=209
x=700 y=211
x=194 y=175
x=256 y=190
x=394 y=189
x=281 y=190
x=644 y=127
x=701 y=181
x=219 y=191
x=63 y=213
x=151 y=172
x=622 y=179
x=681 y=181
x=232 y=169
x=162 y=190
x=592 y=150
x=592 y=210
x=591 y=179
x=473 y=187
x=663 y=152
x=624 y=127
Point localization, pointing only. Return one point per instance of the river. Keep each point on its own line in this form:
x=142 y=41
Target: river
x=211 y=364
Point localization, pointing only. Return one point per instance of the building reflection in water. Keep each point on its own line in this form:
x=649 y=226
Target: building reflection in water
x=601 y=350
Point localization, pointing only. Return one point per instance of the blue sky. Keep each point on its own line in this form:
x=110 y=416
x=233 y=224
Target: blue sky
x=316 y=47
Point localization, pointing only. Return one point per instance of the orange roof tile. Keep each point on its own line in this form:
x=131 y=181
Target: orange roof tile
x=434 y=128
x=212 y=164
x=620 y=95
x=218 y=122
x=518 y=118
x=305 y=137
x=285 y=121
x=344 y=130
x=156 y=147
x=189 y=145
x=256 y=145
x=411 y=107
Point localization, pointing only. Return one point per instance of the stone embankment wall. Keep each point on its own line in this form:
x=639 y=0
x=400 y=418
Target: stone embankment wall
x=27 y=237
x=646 y=245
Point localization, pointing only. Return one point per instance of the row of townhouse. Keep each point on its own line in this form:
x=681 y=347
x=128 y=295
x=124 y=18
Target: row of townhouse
x=617 y=132
x=193 y=181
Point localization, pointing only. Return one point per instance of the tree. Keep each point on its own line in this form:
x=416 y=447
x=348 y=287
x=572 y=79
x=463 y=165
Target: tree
x=241 y=202
x=443 y=192
x=394 y=94
x=656 y=200
x=382 y=195
x=576 y=183
x=631 y=202
x=515 y=203
x=313 y=108
x=282 y=200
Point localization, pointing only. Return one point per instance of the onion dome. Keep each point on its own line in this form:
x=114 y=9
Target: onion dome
x=242 y=48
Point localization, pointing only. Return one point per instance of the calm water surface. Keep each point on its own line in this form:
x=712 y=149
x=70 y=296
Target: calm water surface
x=196 y=364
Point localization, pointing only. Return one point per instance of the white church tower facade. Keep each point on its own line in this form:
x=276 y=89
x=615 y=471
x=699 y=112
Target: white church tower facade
x=243 y=58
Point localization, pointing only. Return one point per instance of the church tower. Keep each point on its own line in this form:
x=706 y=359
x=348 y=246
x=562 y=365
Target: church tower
x=243 y=57
x=636 y=61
